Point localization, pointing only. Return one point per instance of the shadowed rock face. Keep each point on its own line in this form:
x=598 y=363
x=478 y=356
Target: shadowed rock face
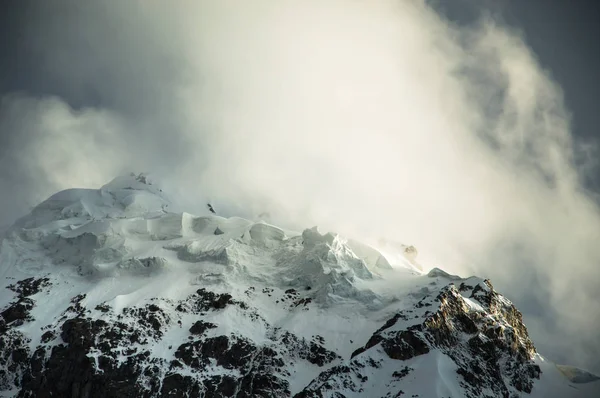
x=98 y=353
x=490 y=345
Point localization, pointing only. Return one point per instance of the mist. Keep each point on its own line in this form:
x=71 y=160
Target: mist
x=372 y=119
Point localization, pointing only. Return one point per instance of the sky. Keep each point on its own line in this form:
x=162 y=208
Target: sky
x=466 y=128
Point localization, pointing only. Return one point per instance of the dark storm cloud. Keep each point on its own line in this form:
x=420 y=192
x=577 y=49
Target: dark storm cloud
x=375 y=119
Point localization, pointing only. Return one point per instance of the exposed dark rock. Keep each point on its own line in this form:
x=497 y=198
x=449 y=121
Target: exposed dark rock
x=303 y=302
x=313 y=351
x=69 y=370
x=373 y=341
x=402 y=372
x=14 y=355
x=500 y=362
x=152 y=317
x=18 y=312
x=30 y=286
x=259 y=365
x=107 y=357
x=230 y=356
x=347 y=377
x=205 y=300
x=404 y=345
x=464 y=287
x=103 y=308
x=176 y=385
x=76 y=306
x=200 y=327
x=20 y=355
x=318 y=355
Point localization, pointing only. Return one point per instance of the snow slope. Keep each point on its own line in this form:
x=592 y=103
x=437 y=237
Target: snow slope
x=108 y=293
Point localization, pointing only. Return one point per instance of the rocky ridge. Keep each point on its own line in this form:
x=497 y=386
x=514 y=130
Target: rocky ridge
x=98 y=352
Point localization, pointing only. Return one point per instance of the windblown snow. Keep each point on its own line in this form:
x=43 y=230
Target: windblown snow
x=140 y=301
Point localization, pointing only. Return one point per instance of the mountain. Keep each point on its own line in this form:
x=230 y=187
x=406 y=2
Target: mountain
x=105 y=293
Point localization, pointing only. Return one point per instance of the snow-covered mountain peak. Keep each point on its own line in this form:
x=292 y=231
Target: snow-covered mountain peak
x=108 y=293
x=125 y=196
x=112 y=231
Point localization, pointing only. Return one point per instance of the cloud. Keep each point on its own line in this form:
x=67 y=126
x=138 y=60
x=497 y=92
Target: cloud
x=52 y=146
x=375 y=119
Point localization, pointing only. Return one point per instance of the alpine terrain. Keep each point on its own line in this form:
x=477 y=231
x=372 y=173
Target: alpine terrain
x=107 y=293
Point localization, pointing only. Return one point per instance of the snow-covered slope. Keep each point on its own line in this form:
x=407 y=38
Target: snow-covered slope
x=105 y=293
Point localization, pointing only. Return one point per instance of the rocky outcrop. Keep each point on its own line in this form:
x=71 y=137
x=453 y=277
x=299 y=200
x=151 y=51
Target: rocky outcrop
x=98 y=353
x=478 y=329
x=14 y=346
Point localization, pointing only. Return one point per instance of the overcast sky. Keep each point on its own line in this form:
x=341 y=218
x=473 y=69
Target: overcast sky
x=467 y=128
